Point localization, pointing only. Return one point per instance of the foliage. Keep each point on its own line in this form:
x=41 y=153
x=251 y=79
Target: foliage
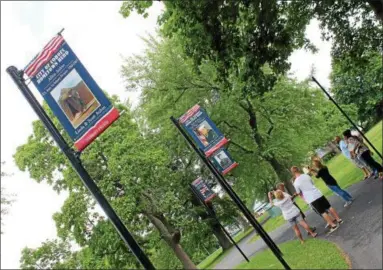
x=351 y=25
x=293 y=118
x=358 y=82
x=133 y=169
x=242 y=37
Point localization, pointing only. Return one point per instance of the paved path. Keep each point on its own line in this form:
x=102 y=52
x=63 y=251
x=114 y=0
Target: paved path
x=360 y=236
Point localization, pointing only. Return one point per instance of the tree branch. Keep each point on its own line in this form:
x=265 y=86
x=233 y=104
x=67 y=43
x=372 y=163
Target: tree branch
x=241 y=147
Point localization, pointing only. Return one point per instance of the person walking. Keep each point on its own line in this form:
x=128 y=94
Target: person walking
x=321 y=171
x=359 y=150
x=358 y=162
x=290 y=212
x=281 y=187
x=305 y=187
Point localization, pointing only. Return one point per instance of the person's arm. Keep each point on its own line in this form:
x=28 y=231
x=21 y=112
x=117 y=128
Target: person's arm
x=270 y=198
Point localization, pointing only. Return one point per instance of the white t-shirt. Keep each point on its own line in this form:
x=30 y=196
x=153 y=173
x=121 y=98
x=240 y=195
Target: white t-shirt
x=304 y=184
x=289 y=210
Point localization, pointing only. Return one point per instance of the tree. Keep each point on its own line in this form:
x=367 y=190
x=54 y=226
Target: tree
x=293 y=119
x=133 y=173
x=6 y=200
x=358 y=82
x=351 y=25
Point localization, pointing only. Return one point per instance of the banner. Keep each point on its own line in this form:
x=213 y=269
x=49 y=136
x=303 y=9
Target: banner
x=203 y=131
x=206 y=193
x=223 y=161
x=72 y=94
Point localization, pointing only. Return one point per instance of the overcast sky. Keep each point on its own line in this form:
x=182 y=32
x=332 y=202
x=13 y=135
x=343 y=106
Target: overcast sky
x=99 y=36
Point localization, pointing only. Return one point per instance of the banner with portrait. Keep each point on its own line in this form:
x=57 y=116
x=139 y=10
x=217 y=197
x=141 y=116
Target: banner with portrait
x=202 y=130
x=223 y=161
x=74 y=97
x=205 y=192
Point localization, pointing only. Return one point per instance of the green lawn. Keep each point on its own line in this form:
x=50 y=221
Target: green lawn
x=313 y=254
x=340 y=167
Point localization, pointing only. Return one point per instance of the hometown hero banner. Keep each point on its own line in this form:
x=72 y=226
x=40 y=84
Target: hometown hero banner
x=205 y=192
x=72 y=94
x=223 y=161
x=203 y=130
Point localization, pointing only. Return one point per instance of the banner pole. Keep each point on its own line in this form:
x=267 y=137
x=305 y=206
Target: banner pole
x=222 y=181
x=211 y=213
x=17 y=77
x=348 y=118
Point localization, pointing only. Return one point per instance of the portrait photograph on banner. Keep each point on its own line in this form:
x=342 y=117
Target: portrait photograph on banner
x=223 y=161
x=204 y=191
x=202 y=130
x=69 y=90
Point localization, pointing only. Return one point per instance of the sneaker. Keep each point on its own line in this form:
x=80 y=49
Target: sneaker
x=347 y=203
x=333 y=229
x=327 y=225
x=340 y=221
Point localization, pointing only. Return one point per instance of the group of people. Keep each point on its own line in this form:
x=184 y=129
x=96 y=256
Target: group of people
x=354 y=149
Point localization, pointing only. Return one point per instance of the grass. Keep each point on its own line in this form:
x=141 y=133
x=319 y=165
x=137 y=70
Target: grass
x=313 y=254
x=343 y=171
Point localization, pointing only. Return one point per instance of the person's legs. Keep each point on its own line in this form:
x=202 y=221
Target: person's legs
x=334 y=213
x=370 y=161
x=298 y=233
x=307 y=227
x=342 y=193
x=329 y=220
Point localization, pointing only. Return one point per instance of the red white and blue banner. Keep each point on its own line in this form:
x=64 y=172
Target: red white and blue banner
x=202 y=130
x=205 y=192
x=223 y=161
x=72 y=94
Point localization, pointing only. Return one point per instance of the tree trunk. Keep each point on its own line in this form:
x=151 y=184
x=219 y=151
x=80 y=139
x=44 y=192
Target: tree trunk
x=172 y=239
x=241 y=220
x=223 y=240
x=282 y=173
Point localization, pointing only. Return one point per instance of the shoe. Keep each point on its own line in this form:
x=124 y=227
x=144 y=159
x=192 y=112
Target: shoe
x=313 y=229
x=347 y=203
x=340 y=221
x=327 y=225
x=333 y=229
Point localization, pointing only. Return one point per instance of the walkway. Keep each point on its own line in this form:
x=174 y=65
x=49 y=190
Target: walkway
x=360 y=236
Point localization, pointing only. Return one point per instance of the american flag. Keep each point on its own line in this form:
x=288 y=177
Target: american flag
x=44 y=56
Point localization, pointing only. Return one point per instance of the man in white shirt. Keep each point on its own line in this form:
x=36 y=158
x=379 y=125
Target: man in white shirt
x=305 y=187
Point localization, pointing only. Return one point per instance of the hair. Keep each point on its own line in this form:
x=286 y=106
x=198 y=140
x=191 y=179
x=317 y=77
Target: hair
x=295 y=169
x=280 y=186
x=318 y=164
x=347 y=133
x=337 y=138
x=279 y=195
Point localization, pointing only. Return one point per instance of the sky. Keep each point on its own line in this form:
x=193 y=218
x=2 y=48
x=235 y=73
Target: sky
x=100 y=37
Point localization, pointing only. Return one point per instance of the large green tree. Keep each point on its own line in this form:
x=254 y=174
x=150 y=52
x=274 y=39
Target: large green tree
x=359 y=82
x=293 y=120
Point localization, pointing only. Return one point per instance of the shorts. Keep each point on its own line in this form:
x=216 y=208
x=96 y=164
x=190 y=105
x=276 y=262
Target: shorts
x=359 y=163
x=295 y=220
x=321 y=205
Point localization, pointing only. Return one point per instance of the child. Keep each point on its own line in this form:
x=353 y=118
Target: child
x=321 y=171
x=290 y=213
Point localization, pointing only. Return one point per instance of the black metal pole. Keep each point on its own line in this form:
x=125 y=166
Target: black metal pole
x=211 y=213
x=222 y=181
x=348 y=118
x=17 y=77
